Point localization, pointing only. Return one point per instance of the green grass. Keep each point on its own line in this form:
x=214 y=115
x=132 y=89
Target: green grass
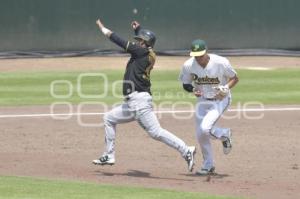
x=269 y=87
x=27 y=188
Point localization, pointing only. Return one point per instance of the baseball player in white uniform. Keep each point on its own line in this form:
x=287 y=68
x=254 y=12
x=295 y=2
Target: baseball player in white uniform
x=210 y=77
x=137 y=105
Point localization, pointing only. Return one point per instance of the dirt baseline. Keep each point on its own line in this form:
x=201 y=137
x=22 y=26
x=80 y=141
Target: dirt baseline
x=264 y=162
x=162 y=63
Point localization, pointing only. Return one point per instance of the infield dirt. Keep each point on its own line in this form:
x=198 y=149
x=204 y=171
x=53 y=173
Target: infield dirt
x=264 y=162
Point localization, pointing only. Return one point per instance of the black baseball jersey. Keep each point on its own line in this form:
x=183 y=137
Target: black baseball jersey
x=139 y=66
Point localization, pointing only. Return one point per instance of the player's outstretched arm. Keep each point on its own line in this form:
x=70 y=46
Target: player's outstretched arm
x=112 y=35
x=103 y=29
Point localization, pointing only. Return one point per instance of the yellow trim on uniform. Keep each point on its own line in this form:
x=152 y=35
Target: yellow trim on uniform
x=152 y=58
x=197 y=53
x=127 y=45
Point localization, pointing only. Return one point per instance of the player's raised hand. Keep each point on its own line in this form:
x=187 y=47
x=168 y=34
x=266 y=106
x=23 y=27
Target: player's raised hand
x=104 y=30
x=99 y=23
x=135 y=25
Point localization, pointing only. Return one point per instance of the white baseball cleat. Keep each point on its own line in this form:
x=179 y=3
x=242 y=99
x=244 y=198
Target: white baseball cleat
x=104 y=160
x=204 y=172
x=189 y=157
x=227 y=144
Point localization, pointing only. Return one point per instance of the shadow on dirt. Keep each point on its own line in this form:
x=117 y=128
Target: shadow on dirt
x=137 y=174
x=213 y=175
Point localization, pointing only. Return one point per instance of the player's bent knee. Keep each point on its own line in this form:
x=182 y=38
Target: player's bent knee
x=105 y=118
x=107 y=121
x=204 y=129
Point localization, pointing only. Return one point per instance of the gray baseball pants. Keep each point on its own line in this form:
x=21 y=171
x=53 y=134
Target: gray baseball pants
x=138 y=107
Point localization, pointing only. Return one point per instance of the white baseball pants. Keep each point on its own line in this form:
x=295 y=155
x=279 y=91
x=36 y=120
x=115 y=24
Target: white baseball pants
x=207 y=114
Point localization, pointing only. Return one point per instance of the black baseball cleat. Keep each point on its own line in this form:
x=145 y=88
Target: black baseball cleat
x=204 y=172
x=227 y=144
x=104 y=160
x=189 y=157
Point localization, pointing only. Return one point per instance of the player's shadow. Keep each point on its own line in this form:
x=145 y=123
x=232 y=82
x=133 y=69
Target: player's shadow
x=213 y=175
x=137 y=174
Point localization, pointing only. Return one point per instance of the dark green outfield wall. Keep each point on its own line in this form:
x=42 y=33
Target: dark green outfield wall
x=70 y=24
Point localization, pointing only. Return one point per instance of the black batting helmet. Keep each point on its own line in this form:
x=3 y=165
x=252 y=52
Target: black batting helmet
x=146 y=35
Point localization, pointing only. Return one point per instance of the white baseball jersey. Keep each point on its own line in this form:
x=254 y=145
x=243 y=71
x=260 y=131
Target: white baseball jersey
x=217 y=72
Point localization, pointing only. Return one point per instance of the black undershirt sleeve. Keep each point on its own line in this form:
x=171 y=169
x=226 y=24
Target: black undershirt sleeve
x=137 y=30
x=188 y=87
x=118 y=40
x=129 y=47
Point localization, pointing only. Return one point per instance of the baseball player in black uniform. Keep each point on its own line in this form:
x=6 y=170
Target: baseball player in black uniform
x=137 y=103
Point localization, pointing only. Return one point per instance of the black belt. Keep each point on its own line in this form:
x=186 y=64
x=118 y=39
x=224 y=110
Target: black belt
x=211 y=99
x=127 y=97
